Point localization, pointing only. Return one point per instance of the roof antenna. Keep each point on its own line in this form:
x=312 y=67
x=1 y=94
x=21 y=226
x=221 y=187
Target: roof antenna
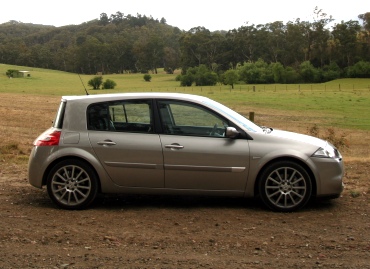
x=83 y=84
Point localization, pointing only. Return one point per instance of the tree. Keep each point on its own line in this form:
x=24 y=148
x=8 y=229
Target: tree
x=195 y=47
x=320 y=36
x=346 y=34
x=296 y=43
x=96 y=82
x=104 y=20
x=231 y=77
x=276 y=40
x=365 y=20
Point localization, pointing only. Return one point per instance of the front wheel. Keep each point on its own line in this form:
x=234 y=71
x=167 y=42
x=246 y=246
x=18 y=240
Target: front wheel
x=285 y=186
x=72 y=184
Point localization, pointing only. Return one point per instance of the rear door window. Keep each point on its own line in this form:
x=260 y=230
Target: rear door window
x=121 y=116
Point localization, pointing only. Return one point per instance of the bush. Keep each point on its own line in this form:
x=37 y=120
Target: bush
x=147 y=77
x=109 y=84
x=256 y=73
x=338 y=140
x=201 y=75
x=360 y=70
x=96 y=82
x=308 y=72
x=10 y=72
x=186 y=80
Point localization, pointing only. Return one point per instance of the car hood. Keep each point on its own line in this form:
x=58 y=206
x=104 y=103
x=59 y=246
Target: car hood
x=299 y=137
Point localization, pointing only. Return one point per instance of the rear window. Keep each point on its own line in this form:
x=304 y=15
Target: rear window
x=121 y=116
x=58 y=121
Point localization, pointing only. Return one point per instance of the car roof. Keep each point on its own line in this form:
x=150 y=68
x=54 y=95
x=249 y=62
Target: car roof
x=139 y=95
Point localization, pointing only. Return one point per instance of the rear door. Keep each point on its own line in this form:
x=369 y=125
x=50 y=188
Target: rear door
x=121 y=134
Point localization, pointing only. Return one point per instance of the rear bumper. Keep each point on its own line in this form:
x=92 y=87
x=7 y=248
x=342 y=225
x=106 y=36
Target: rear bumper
x=37 y=165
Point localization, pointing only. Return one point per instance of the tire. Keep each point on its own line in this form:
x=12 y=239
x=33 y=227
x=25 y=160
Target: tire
x=72 y=184
x=285 y=186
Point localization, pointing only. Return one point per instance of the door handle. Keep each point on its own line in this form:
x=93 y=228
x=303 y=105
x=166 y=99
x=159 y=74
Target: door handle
x=106 y=143
x=174 y=146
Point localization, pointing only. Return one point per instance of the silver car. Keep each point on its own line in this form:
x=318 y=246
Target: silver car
x=169 y=143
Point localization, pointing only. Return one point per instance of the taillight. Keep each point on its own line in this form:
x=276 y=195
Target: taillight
x=48 y=138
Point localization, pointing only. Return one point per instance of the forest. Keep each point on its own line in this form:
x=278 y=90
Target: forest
x=298 y=51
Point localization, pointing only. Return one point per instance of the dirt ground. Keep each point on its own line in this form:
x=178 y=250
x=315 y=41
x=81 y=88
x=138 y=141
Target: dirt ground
x=121 y=231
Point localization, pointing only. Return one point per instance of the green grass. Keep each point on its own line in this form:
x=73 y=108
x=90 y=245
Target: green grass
x=343 y=103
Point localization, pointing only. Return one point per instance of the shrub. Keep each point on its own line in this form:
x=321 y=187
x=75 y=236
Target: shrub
x=96 y=82
x=201 y=75
x=186 y=80
x=147 y=77
x=308 y=72
x=109 y=84
x=338 y=140
x=10 y=72
x=360 y=70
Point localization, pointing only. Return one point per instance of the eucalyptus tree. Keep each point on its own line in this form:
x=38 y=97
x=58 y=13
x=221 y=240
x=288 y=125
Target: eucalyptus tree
x=364 y=37
x=346 y=33
x=276 y=40
x=171 y=50
x=244 y=43
x=295 y=44
x=89 y=56
x=148 y=50
x=365 y=18
x=320 y=38
x=196 y=48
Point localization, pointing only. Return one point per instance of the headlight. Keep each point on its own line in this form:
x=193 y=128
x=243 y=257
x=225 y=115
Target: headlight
x=327 y=152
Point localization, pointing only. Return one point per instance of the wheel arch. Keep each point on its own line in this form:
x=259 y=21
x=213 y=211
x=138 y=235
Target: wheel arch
x=71 y=157
x=291 y=159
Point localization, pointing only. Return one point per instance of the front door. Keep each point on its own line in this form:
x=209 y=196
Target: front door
x=197 y=155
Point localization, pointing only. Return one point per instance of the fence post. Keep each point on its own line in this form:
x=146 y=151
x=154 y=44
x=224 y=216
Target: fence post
x=251 y=116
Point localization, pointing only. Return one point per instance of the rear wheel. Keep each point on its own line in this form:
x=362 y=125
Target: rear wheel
x=285 y=186
x=72 y=184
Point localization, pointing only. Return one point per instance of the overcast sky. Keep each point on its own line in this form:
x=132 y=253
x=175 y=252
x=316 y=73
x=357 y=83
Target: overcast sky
x=186 y=14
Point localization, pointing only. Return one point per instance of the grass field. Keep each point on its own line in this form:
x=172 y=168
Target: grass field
x=343 y=103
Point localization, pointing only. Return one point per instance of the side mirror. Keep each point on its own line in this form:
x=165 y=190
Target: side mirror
x=231 y=132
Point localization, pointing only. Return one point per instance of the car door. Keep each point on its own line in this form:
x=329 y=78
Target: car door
x=121 y=135
x=197 y=155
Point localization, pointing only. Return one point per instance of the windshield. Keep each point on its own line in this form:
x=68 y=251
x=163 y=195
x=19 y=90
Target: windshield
x=239 y=119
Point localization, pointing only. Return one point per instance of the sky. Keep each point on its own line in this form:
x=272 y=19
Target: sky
x=213 y=15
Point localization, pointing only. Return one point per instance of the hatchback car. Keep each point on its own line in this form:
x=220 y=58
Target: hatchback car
x=169 y=143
